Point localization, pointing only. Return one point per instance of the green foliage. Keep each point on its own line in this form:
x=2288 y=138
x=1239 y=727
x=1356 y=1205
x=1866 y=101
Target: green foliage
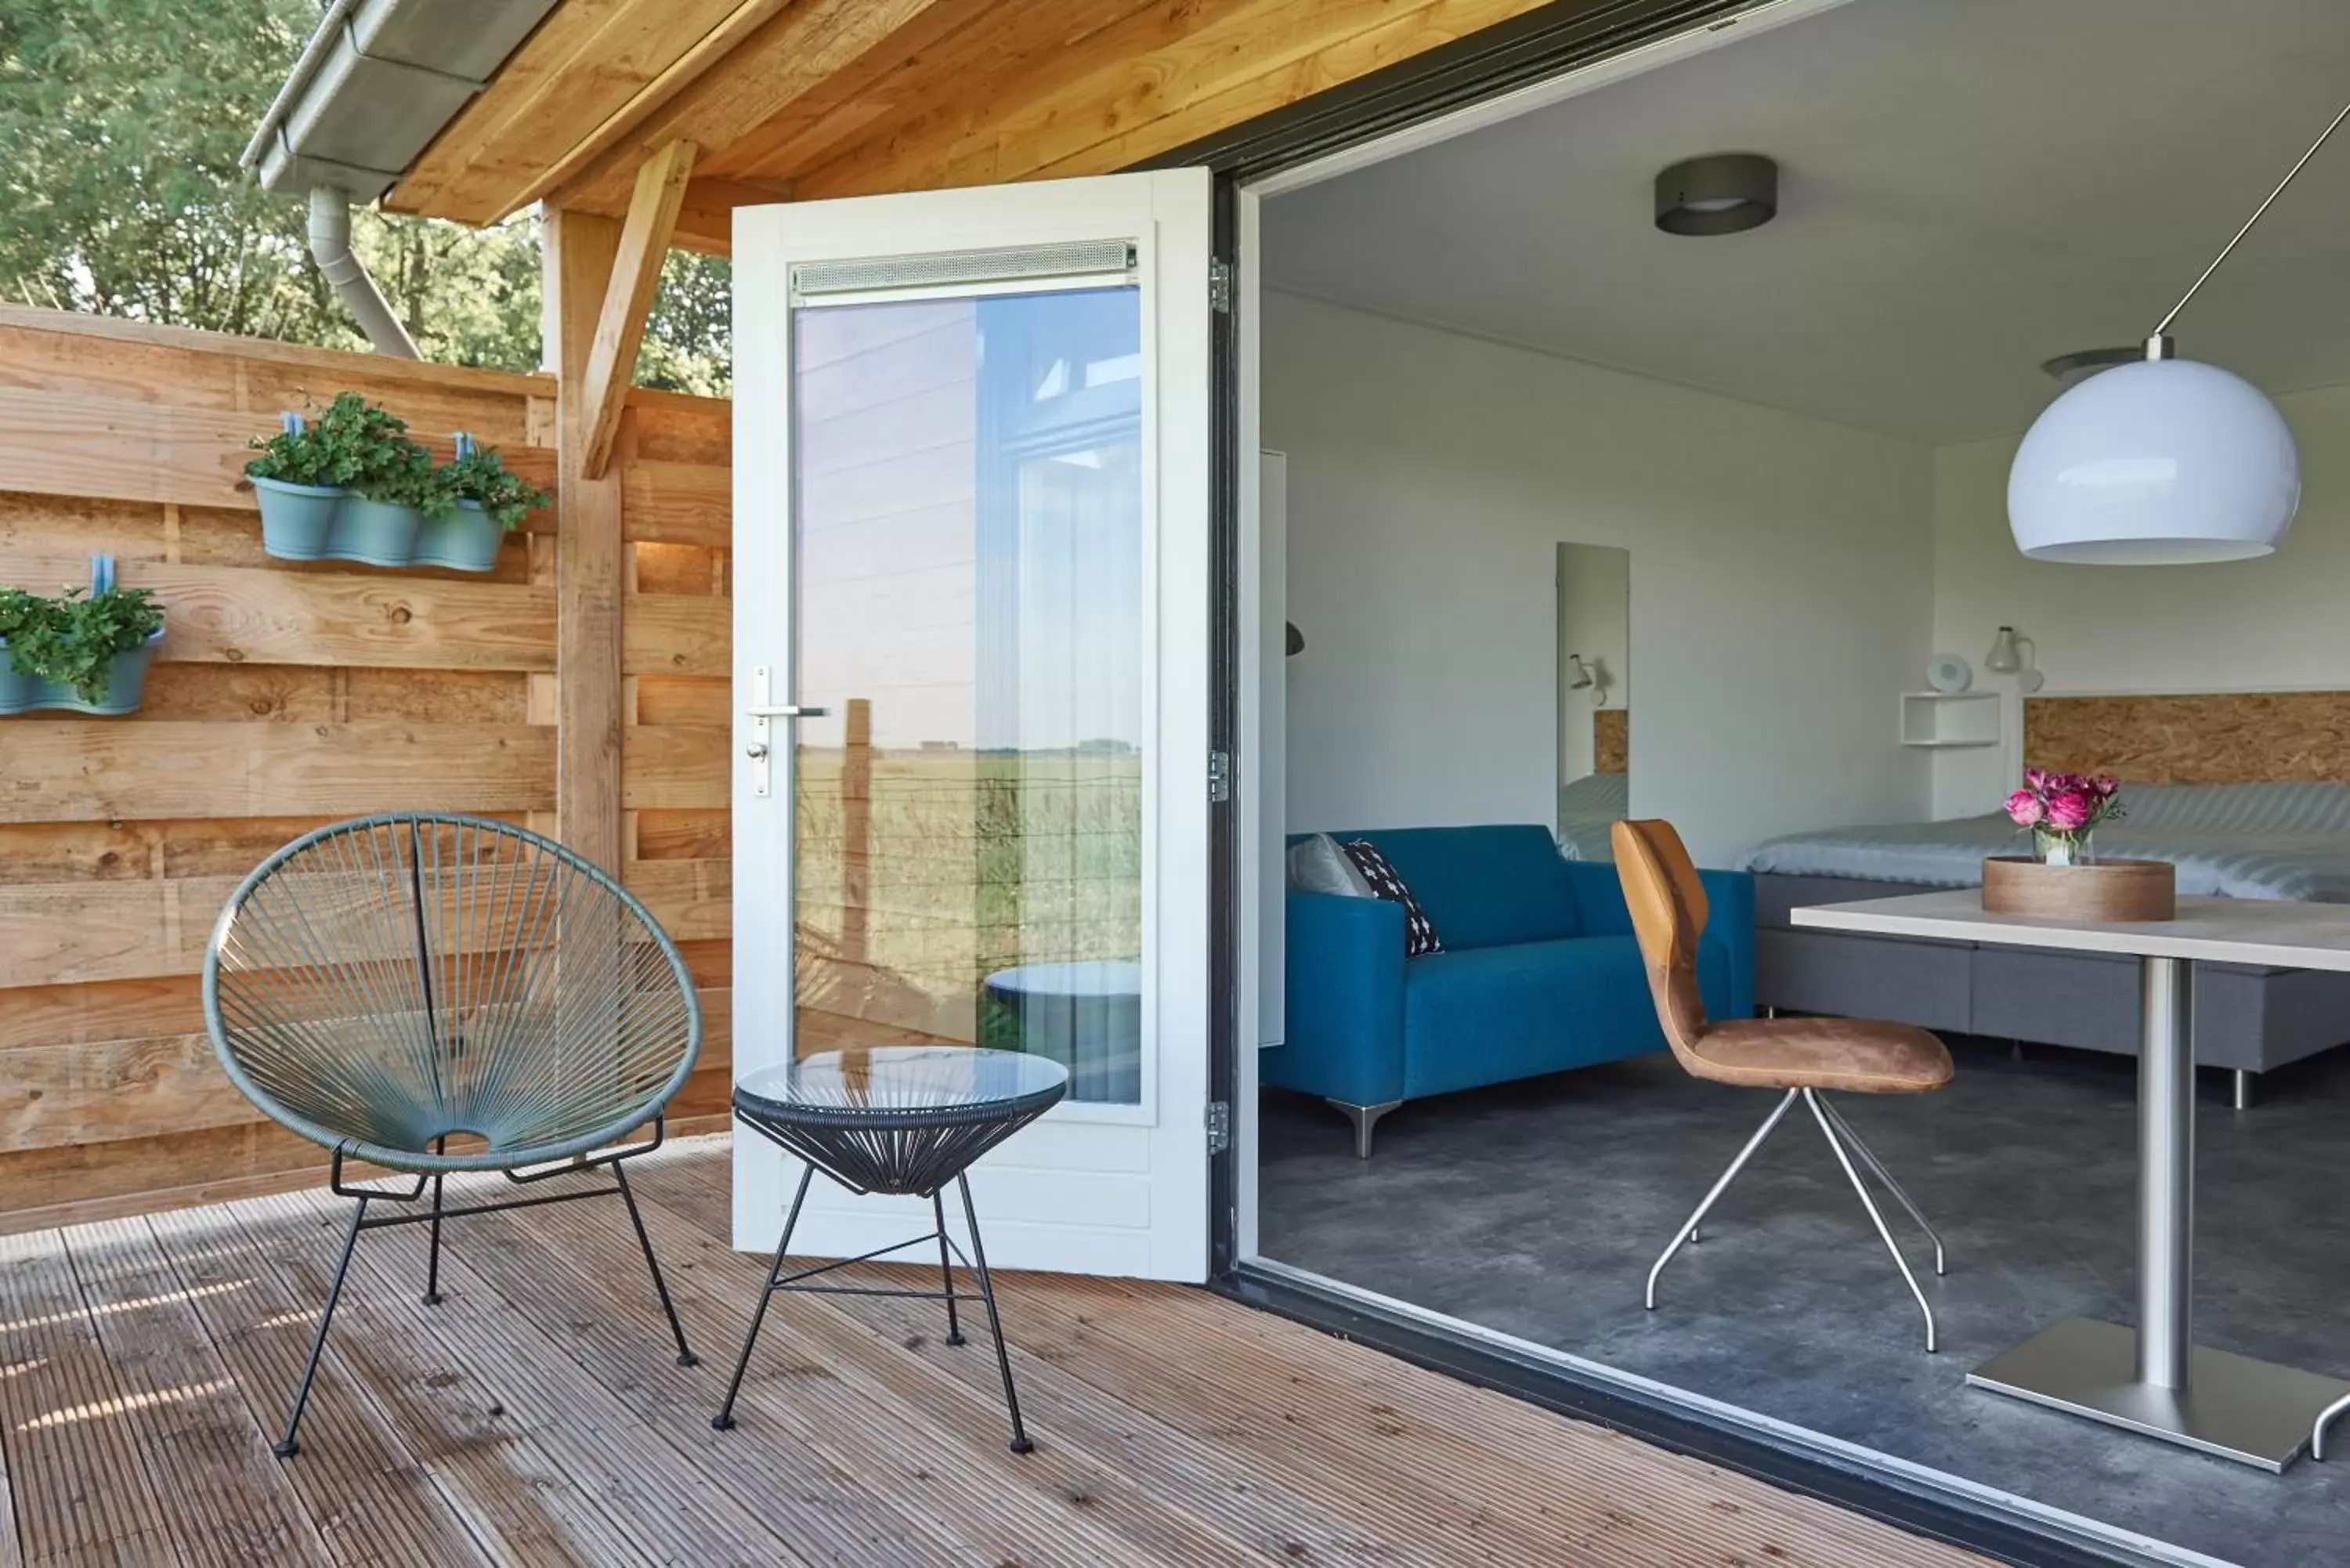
x=120 y=122
x=690 y=332
x=481 y=476
x=73 y=638
x=360 y=447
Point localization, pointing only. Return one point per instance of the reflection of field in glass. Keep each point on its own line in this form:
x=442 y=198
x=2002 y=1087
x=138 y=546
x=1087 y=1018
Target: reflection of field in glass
x=921 y=873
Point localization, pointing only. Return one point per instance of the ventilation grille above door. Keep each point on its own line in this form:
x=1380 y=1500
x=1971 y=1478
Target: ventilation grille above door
x=946 y=269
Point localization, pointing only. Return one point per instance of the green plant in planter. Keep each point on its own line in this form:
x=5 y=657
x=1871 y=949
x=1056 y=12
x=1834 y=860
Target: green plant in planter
x=360 y=447
x=480 y=476
x=73 y=638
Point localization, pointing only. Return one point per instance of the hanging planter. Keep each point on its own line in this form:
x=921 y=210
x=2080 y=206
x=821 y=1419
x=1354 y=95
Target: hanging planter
x=356 y=487
x=490 y=502
x=84 y=651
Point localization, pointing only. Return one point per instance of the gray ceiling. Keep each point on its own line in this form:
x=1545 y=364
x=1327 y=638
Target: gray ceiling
x=1968 y=187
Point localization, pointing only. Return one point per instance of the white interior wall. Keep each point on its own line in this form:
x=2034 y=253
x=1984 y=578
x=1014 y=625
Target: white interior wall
x=1780 y=581
x=1595 y=621
x=2276 y=624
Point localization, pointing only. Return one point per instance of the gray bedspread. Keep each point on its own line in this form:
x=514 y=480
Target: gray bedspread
x=2239 y=841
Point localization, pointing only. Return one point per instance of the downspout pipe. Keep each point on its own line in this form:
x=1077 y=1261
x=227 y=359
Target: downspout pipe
x=331 y=247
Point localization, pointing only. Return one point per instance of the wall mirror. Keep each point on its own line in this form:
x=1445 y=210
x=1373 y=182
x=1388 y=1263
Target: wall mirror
x=1594 y=695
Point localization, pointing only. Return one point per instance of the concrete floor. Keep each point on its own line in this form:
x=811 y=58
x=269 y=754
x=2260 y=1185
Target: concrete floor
x=1538 y=1208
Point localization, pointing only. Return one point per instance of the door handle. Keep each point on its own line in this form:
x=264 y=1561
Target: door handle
x=763 y=714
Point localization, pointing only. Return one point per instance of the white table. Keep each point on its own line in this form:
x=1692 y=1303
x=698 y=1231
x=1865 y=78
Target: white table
x=2154 y=1380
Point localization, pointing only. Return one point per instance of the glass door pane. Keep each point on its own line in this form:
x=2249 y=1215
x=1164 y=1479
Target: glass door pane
x=969 y=531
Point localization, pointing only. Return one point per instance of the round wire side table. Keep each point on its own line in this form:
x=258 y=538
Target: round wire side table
x=903 y=1120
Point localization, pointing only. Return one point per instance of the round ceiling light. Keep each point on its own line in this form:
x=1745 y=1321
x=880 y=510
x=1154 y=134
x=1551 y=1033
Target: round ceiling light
x=1719 y=193
x=2161 y=463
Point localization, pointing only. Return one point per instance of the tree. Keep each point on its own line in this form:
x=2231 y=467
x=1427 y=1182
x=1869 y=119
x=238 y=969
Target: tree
x=120 y=123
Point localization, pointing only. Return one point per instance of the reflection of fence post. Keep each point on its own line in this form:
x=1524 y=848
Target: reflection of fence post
x=857 y=828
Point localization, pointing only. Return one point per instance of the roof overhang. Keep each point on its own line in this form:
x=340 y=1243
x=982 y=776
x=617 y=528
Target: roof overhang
x=472 y=110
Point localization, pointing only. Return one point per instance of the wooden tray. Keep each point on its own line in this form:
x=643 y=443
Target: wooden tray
x=2106 y=891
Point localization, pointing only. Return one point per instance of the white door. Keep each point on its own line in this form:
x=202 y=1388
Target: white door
x=972 y=494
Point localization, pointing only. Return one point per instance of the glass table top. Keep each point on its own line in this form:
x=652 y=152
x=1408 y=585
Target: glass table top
x=886 y=1079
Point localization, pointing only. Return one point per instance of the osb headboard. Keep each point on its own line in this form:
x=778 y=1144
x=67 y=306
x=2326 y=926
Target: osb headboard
x=1611 y=739
x=2242 y=737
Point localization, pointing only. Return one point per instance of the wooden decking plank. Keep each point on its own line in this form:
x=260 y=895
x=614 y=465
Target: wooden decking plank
x=60 y=1405
x=1637 y=1474
x=374 y=1504
x=536 y=1416
x=653 y=1495
x=777 y=1458
x=1258 y=1508
x=1513 y=1508
x=513 y=1495
x=1579 y=1483
x=222 y=1500
x=1343 y=1448
x=1389 y=1502
x=1036 y=1509
x=12 y=1546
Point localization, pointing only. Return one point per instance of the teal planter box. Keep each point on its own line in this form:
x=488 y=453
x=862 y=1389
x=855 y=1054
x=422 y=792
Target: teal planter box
x=468 y=540
x=297 y=521
x=126 y=684
x=312 y=522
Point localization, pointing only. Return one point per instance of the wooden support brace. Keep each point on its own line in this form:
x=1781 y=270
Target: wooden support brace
x=636 y=271
x=577 y=256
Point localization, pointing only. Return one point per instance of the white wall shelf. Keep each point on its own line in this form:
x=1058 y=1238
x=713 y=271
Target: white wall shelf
x=1950 y=718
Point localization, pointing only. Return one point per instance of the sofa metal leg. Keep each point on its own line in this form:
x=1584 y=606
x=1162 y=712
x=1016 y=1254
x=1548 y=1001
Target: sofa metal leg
x=2239 y=1085
x=1365 y=1118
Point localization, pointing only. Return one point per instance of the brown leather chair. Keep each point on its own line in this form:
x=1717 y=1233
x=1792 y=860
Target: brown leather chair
x=1801 y=1056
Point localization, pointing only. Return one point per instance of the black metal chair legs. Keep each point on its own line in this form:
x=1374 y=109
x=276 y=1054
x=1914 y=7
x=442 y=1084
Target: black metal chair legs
x=779 y=1282
x=288 y=1445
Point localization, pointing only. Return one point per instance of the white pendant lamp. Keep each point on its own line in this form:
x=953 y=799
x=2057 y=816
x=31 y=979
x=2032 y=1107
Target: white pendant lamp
x=2160 y=461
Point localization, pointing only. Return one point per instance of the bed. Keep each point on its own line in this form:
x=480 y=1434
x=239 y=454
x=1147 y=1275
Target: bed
x=1588 y=808
x=2191 y=802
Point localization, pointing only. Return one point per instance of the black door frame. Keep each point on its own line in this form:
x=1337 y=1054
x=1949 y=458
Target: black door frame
x=1546 y=42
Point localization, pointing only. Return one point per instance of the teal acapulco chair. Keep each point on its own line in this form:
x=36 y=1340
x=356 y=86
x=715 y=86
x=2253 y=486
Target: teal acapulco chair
x=441 y=996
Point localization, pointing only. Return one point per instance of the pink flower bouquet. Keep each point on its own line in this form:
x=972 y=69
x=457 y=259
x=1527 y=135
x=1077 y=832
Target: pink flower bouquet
x=2062 y=810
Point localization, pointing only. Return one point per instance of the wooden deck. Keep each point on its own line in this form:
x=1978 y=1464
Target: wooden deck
x=535 y=1418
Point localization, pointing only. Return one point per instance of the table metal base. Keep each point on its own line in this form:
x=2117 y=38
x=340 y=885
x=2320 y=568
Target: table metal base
x=2254 y=1412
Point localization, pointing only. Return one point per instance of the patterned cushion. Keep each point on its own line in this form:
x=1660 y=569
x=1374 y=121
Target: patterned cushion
x=1420 y=938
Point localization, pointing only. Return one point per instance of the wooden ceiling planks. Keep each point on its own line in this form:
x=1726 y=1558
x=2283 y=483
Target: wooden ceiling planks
x=796 y=65
x=811 y=98
x=585 y=63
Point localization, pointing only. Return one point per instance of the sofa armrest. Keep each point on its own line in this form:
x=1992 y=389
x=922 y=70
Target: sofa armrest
x=1729 y=927
x=1344 y=1000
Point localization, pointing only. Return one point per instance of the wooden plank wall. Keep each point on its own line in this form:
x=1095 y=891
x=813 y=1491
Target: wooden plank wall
x=288 y=696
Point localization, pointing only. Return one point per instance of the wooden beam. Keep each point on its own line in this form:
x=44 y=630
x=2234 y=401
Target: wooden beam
x=578 y=252
x=628 y=297
x=706 y=221
x=688 y=67
x=800 y=62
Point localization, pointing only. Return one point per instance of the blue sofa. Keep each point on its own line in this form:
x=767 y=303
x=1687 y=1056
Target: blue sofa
x=1540 y=972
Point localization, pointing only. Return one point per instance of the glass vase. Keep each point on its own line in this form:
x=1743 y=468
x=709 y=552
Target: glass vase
x=2051 y=847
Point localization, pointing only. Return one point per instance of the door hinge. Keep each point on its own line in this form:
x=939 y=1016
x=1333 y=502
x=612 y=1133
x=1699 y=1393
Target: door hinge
x=1220 y=285
x=1220 y=1125
x=1220 y=777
